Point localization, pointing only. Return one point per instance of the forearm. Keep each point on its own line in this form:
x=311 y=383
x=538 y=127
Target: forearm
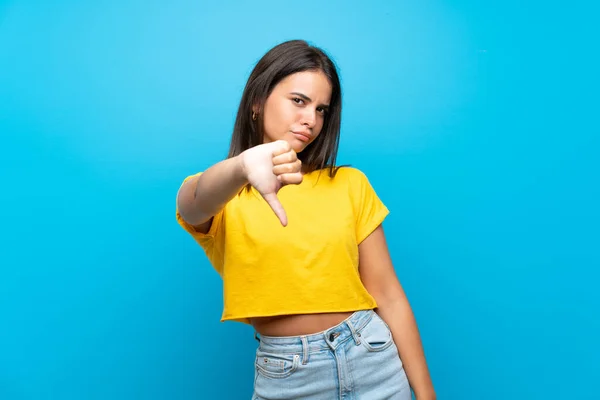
x=203 y=196
x=397 y=313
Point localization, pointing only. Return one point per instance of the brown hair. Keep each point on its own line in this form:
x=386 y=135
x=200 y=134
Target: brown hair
x=281 y=61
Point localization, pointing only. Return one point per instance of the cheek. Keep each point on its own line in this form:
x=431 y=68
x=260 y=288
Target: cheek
x=275 y=121
x=288 y=113
x=277 y=113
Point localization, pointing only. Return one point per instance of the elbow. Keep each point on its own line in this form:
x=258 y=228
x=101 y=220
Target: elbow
x=186 y=204
x=389 y=296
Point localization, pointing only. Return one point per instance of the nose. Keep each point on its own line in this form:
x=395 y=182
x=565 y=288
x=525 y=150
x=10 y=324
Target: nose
x=309 y=118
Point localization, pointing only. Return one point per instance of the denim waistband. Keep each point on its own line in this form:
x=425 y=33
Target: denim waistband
x=328 y=339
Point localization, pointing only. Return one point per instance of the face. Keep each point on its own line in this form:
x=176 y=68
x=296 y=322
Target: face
x=296 y=109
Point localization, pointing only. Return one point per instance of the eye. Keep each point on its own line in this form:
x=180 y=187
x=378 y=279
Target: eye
x=297 y=100
x=322 y=110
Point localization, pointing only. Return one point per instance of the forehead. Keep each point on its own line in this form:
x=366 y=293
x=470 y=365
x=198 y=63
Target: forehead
x=313 y=84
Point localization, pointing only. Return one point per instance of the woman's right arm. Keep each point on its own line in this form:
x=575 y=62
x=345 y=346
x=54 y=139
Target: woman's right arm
x=200 y=198
x=267 y=167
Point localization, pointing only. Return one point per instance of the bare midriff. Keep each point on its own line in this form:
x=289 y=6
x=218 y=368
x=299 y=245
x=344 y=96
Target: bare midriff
x=296 y=325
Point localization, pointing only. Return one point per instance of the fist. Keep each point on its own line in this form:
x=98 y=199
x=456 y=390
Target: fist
x=270 y=166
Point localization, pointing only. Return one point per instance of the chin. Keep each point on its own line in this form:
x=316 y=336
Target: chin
x=297 y=145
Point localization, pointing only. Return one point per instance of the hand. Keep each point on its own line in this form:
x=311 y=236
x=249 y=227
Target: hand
x=270 y=166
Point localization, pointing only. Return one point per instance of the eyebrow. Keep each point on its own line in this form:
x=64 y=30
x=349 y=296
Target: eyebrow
x=305 y=97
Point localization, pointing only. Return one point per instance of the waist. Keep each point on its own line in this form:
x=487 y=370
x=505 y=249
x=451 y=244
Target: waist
x=317 y=341
x=298 y=324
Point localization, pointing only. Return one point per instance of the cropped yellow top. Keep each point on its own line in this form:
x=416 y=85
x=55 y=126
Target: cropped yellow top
x=309 y=266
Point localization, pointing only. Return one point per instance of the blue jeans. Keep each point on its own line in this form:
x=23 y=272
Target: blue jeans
x=354 y=360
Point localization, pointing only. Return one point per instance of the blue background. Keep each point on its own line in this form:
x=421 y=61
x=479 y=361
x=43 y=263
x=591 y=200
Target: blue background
x=477 y=123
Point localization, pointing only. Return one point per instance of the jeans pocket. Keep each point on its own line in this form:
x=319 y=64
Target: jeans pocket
x=276 y=366
x=376 y=335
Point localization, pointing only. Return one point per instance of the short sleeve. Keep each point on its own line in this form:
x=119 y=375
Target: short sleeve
x=211 y=242
x=369 y=210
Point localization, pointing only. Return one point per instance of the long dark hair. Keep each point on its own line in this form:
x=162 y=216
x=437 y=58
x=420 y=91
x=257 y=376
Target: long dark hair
x=281 y=61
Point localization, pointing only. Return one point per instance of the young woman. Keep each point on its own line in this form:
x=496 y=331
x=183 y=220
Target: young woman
x=299 y=244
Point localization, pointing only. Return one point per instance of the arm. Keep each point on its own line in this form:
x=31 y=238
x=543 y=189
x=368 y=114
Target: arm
x=379 y=278
x=202 y=197
x=267 y=167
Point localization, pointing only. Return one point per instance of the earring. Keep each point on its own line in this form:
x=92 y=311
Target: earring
x=254 y=116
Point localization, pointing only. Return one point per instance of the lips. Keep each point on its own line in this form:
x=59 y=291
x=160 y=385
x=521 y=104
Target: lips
x=303 y=136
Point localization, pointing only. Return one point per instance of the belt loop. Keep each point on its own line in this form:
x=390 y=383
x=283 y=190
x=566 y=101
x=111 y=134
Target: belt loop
x=304 y=350
x=355 y=335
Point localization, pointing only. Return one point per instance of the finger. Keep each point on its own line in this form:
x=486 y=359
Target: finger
x=285 y=158
x=280 y=147
x=288 y=168
x=290 y=179
x=276 y=206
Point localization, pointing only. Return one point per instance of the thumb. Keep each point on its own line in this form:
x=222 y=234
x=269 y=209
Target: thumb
x=276 y=206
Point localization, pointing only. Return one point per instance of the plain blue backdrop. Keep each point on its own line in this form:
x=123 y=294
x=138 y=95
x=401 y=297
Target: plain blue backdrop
x=477 y=123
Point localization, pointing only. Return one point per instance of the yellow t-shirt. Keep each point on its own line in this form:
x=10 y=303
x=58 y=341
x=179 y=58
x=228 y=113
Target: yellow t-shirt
x=309 y=266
